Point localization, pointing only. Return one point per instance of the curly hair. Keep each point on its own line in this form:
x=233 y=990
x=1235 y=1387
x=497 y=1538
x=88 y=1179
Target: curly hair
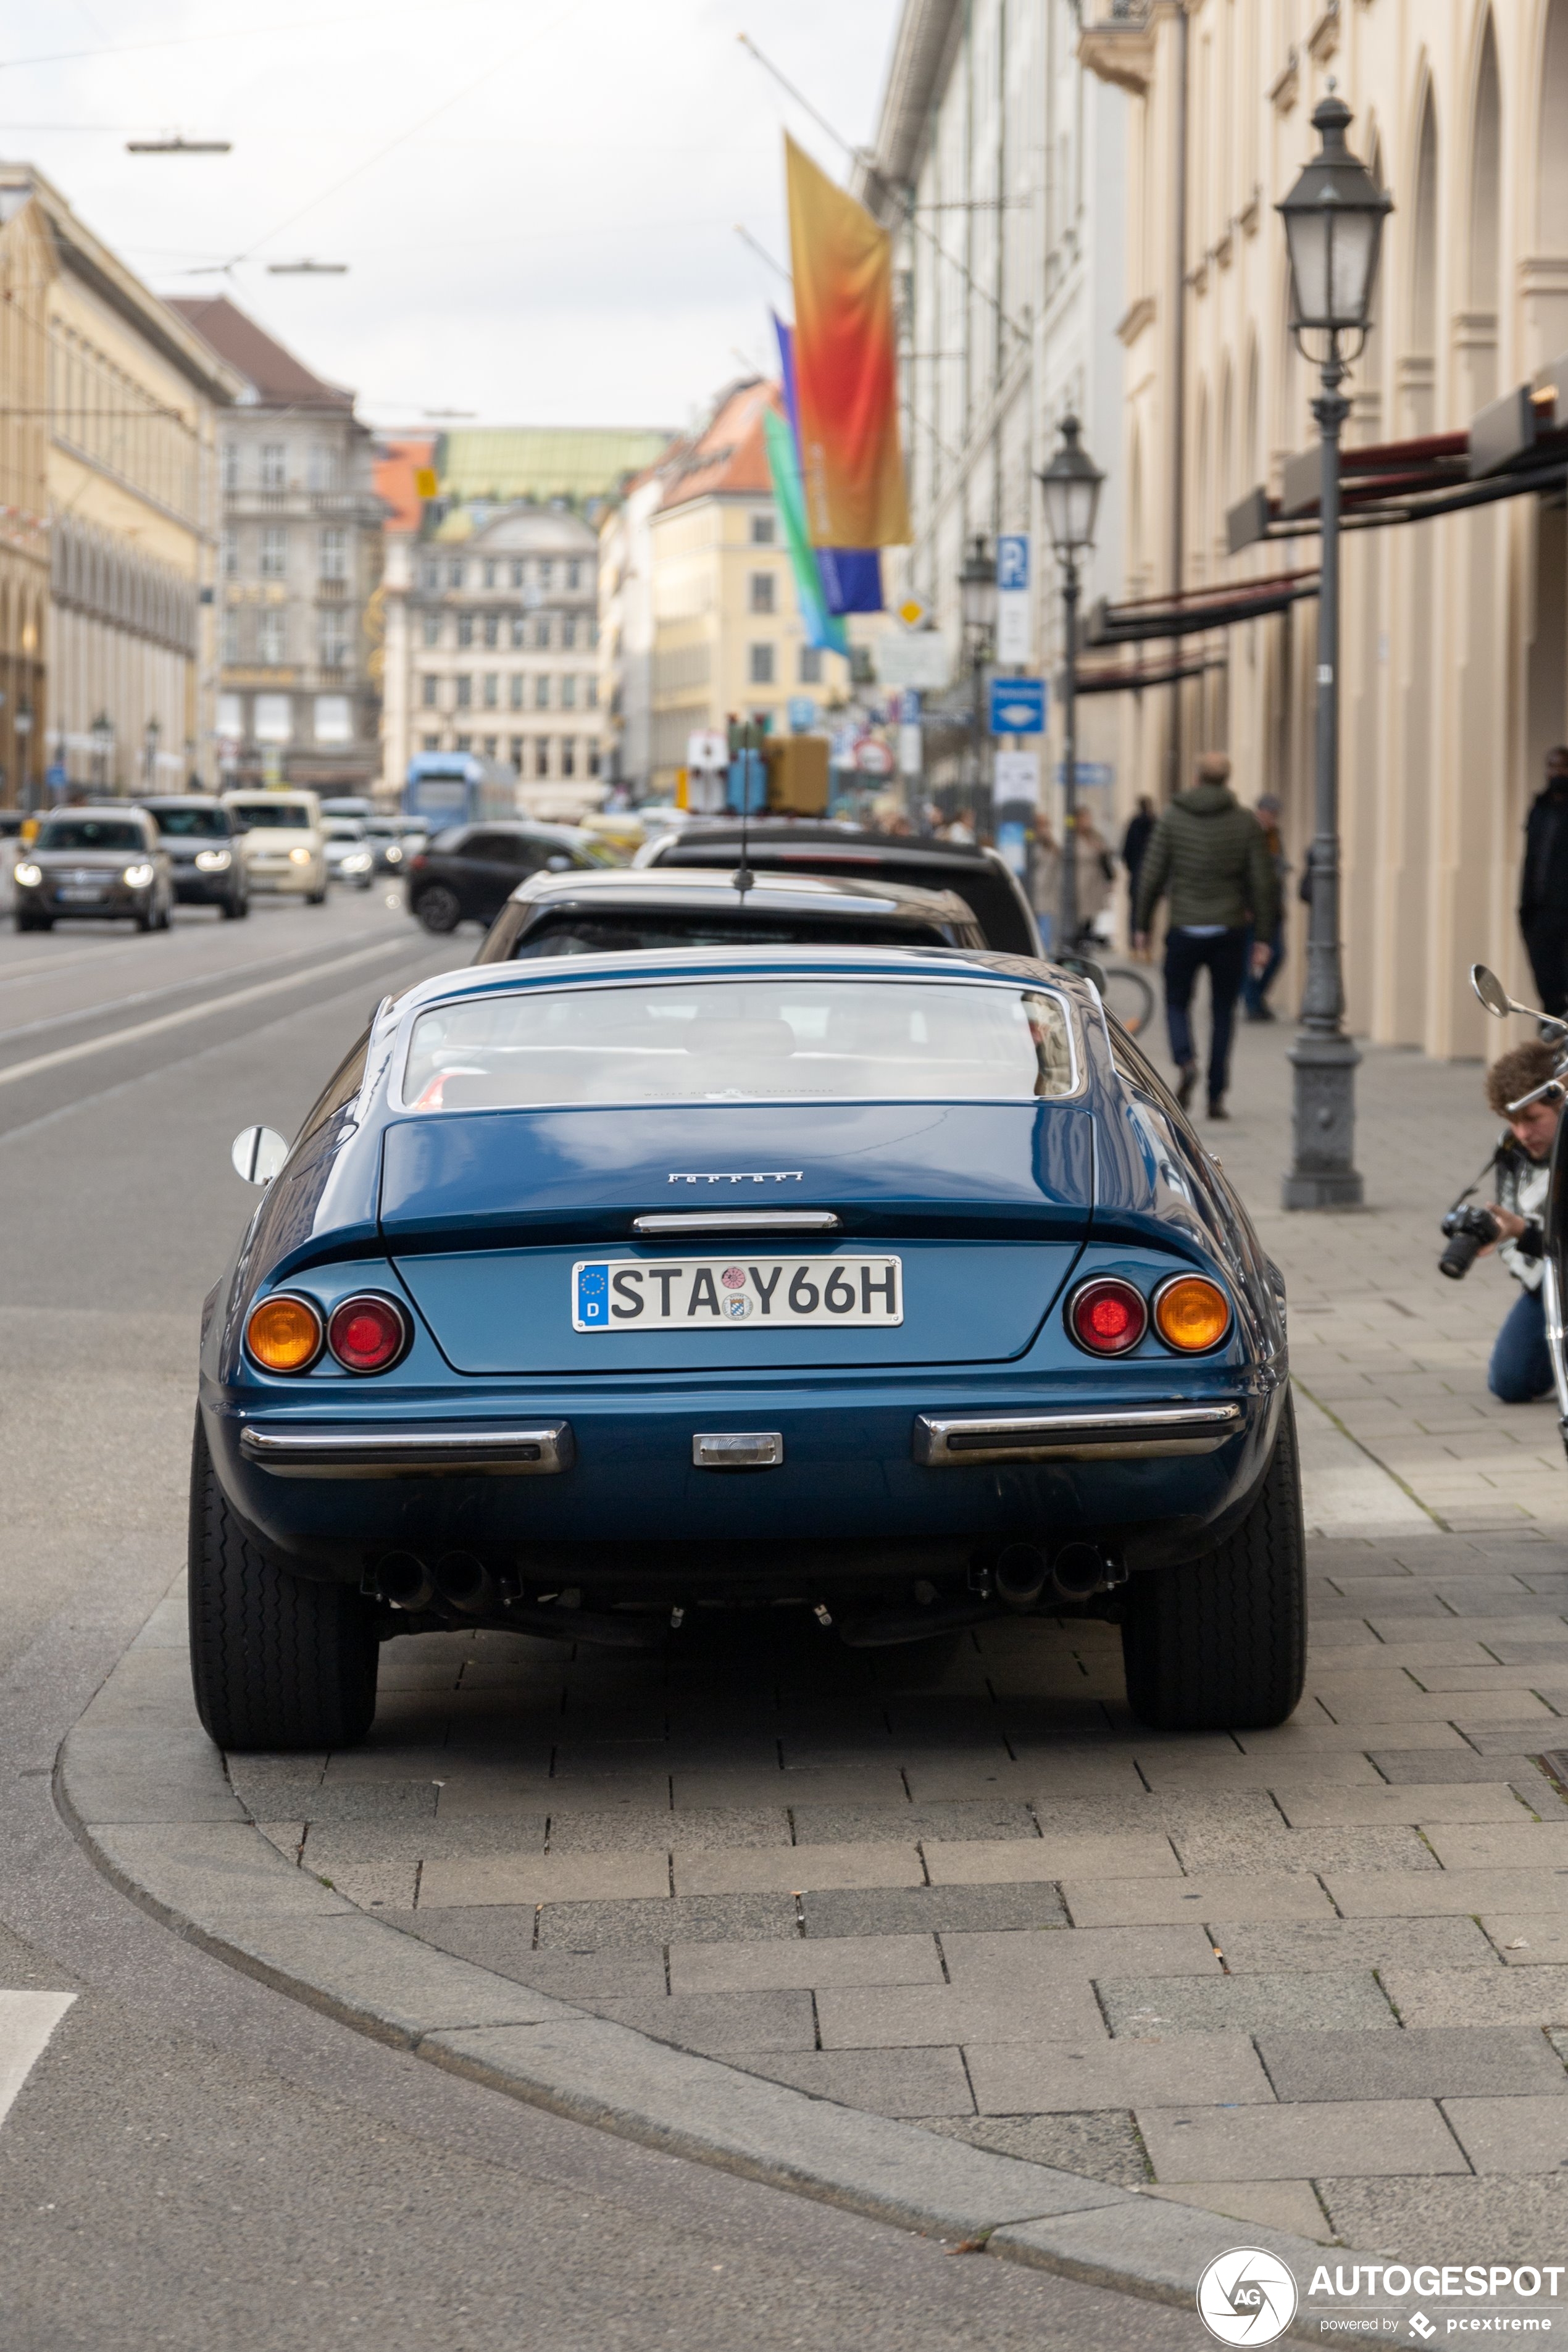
x=1518 y=1073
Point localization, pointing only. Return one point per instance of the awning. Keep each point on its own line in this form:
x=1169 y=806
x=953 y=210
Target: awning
x=1131 y=677
x=1196 y=610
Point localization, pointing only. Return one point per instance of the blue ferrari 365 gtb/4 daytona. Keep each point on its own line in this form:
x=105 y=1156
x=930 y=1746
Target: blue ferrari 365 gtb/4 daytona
x=886 y=1282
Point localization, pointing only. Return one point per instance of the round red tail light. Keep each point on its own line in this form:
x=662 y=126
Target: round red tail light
x=1108 y=1317
x=368 y=1334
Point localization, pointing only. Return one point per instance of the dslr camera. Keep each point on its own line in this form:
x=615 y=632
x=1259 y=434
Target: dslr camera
x=1468 y=1230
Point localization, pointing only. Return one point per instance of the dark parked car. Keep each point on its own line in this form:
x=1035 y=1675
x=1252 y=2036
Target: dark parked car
x=884 y=1284
x=466 y=875
x=983 y=879
x=598 y=914
x=104 y=862
x=204 y=850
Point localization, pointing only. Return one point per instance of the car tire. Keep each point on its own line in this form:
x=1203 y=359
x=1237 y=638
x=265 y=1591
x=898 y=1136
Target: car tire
x=147 y=920
x=438 y=909
x=35 y=922
x=1220 y=1643
x=277 y=1662
x=316 y=898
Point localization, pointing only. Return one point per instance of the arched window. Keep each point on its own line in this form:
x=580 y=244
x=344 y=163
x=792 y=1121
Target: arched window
x=1552 y=148
x=1423 y=337
x=1486 y=178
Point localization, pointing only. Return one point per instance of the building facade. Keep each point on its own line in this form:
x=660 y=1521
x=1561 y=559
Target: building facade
x=727 y=636
x=1454 y=668
x=494 y=622
x=999 y=165
x=298 y=562
x=626 y=630
x=111 y=683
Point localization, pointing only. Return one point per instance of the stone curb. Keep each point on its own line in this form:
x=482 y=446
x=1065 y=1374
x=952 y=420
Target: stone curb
x=153 y=1809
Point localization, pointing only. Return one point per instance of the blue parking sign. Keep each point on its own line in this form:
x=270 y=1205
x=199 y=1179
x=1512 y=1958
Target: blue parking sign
x=1013 y=561
x=1017 y=706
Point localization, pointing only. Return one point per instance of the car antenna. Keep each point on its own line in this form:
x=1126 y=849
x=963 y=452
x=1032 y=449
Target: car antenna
x=745 y=878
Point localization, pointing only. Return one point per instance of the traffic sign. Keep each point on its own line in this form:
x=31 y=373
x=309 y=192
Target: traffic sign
x=1014 y=603
x=914 y=612
x=1012 y=561
x=1017 y=777
x=920 y=658
x=1017 y=706
x=802 y=714
x=710 y=749
x=873 y=757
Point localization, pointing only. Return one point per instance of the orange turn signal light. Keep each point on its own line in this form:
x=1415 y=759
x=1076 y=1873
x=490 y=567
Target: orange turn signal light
x=284 y=1334
x=1191 y=1313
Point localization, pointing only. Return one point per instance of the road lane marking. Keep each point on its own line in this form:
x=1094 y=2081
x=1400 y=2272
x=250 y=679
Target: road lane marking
x=150 y=995
x=26 y=2021
x=64 y=1054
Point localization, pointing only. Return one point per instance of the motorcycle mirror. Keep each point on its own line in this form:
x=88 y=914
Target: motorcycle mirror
x=258 y=1153
x=1492 y=991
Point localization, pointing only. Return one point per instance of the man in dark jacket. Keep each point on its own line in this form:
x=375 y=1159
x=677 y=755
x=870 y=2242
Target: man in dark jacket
x=1209 y=857
x=1135 y=847
x=1543 y=885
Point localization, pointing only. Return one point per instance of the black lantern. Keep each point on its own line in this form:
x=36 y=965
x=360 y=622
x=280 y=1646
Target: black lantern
x=1333 y=227
x=1071 y=485
x=977 y=588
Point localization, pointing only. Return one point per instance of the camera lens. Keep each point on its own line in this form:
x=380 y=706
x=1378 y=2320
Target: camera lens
x=1460 y=1256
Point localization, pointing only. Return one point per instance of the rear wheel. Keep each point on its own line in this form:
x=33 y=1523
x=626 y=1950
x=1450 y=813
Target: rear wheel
x=438 y=909
x=276 y=1661
x=1219 y=1643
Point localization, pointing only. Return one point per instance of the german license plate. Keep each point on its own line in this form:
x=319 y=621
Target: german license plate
x=746 y=1293
x=82 y=896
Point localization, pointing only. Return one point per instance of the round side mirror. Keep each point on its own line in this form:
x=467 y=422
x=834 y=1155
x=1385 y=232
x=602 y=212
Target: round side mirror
x=258 y=1154
x=1491 y=991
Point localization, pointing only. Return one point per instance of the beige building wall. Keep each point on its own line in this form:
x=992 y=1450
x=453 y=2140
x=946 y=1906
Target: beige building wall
x=1455 y=630
x=27 y=265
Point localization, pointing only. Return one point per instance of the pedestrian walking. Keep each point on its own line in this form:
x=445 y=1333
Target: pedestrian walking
x=1258 y=983
x=1208 y=857
x=1094 y=871
x=1543 y=884
x=1134 y=845
x=1046 y=877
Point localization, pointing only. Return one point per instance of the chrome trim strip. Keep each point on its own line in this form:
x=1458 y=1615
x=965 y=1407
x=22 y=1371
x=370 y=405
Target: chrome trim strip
x=739 y=1221
x=1557 y=1350
x=536 y=1453
x=737 y=1449
x=1138 y=1433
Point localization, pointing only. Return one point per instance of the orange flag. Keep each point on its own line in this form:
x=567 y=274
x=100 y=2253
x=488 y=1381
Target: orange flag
x=846 y=367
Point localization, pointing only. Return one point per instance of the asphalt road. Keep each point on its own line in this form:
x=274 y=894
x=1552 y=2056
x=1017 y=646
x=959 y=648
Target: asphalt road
x=196 y=2161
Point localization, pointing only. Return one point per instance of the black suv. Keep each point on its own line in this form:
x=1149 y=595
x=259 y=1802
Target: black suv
x=203 y=850
x=599 y=914
x=468 y=874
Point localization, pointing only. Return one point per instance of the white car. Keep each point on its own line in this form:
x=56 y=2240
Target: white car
x=283 y=840
x=351 y=857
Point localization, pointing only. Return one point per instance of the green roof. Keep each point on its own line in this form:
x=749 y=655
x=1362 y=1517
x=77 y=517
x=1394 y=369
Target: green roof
x=543 y=461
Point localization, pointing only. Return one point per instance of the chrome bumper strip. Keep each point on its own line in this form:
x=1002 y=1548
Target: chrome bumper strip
x=411 y=1453
x=1139 y=1433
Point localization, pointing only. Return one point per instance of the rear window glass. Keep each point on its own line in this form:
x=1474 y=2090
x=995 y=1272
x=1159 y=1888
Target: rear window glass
x=194 y=824
x=275 y=816
x=780 y=1034
x=91 y=833
x=572 y=934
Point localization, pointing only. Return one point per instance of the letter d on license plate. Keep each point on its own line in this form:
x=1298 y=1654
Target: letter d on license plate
x=745 y=1294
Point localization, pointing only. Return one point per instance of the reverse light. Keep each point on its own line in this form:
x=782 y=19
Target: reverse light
x=213 y=861
x=368 y=1334
x=284 y=1333
x=28 y=875
x=300 y=856
x=1109 y=1316
x=136 y=878
x=1191 y=1313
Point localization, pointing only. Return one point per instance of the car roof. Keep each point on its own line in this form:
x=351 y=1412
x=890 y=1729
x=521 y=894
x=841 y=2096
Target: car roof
x=179 y=800
x=531 y=828
x=93 y=808
x=704 y=886
x=775 y=834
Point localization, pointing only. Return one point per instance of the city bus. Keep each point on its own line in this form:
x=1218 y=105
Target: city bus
x=447 y=787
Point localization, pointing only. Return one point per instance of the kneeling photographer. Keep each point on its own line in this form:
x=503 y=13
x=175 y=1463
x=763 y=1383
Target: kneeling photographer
x=1520 y=1366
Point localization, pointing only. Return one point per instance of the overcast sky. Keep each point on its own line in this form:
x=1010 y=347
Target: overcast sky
x=548 y=236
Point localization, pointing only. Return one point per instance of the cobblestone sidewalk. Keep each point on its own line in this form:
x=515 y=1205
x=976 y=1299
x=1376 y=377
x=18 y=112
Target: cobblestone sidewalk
x=1316 y=1978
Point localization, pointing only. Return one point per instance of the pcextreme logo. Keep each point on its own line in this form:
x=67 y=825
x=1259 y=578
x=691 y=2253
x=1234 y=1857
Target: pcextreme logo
x=1246 y=2297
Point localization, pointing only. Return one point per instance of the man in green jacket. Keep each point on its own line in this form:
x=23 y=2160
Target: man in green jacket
x=1209 y=857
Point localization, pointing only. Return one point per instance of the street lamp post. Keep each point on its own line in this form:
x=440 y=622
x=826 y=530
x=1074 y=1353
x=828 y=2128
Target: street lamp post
x=150 y=735
x=1333 y=227
x=1071 y=484
x=977 y=596
x=23 y=725
x=102 y=733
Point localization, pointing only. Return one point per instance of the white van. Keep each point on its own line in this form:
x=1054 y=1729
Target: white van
x=282 y=842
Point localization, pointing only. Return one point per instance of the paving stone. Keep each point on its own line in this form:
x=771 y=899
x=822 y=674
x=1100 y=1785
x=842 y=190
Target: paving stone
x=1420 y=2063
x=501 y=1940
x=1315 y=2001
x=1519 y=1845
x=912 y=2083
x=1019 y=2078
x=1500 y=2133
x=1254 y=1895
x=1489 y=1996
x=215 y=1871
x=814 y=1962
x=1022 y=1962
x=1415 y=1801
x=1531 y=1940
x=789 y=1869
x=1213 y=1848
x=1344 y=1768
x=1289 y=2205
x=1405 y=1766
x=543 y=1879
x=686 y=1919
x=1494 y=2219
x=1118 y=1853
x=1103 y=2144
x=930 y=1910
x=707 y=1828
x=1095 y=1816
x=372 y=1885
x=1294 y=2143
x=892 y=2017
x=861 y=1825
x=717 y=2023
x=1312 y=1944
x=1405 y=1894
x=349 y=1801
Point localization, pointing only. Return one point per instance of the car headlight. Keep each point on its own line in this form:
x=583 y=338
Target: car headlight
x=136 y=878
x=213 y=861
x=393 y=856
x=300 y=856
x=28 y=875
x=357 y=862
